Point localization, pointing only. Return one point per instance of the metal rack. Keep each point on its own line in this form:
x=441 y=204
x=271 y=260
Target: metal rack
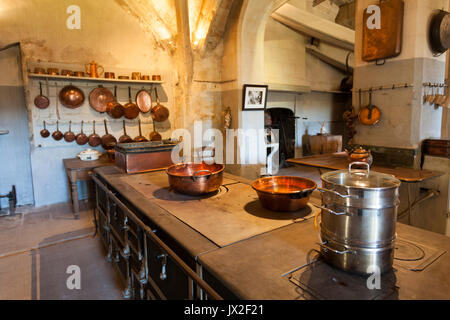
x=385 y=87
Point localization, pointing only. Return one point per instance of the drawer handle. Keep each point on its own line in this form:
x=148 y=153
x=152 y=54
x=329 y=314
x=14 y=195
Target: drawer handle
x=163 y=274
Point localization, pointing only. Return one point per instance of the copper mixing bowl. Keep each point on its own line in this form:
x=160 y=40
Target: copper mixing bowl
x=71 y=97
x=284 y=194
x=196 y=178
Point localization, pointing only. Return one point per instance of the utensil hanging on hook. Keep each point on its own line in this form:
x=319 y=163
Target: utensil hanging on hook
x=370 y=115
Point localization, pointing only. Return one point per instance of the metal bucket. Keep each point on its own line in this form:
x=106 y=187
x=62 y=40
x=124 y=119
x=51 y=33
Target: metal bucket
x=358 y=220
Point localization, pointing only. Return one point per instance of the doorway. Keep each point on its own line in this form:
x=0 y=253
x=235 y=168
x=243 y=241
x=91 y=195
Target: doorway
x=15 y=160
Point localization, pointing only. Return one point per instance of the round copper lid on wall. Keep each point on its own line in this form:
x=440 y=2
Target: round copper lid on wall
x=99 y=98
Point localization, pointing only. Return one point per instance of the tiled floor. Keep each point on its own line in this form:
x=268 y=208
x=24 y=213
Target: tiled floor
x=36 y=248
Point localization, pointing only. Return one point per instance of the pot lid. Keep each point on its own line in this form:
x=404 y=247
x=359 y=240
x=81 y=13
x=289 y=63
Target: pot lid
x=364 y=179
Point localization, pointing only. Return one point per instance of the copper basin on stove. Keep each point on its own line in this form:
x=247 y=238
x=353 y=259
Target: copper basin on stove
x=195 y=178
x=284 y=194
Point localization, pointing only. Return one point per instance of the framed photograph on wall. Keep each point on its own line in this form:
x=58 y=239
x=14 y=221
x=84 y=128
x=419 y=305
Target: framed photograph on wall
x=255 y=97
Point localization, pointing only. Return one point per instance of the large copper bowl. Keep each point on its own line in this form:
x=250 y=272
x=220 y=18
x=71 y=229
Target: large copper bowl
x=196 y=179
x=71 y=97
x=284 y=194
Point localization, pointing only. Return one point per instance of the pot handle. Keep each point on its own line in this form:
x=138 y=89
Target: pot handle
x=324 y=246
x=195 y=175
x=359 y=164
x=300 y=195
x=346 y=196
x=331 y=211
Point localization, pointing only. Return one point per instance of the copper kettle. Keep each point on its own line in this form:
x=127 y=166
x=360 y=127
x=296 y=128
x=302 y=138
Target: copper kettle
x=92 y=69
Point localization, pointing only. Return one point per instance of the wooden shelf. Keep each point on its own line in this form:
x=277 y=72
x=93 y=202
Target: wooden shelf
x=98 y=80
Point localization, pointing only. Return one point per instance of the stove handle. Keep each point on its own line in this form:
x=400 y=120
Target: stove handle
x=163 y=274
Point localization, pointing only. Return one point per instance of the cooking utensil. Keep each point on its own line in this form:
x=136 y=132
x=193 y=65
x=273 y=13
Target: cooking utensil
x=44 y=132
x=156 y=77
x=144 y=101
x=439 y=32
x=114 y=108
x=94 y=138
x=358 y=219
x=108 y=140
x=155 y=136
x=136 y=76
x=126 y=138
x=78 y=74
x=71 y=97
x=124 y=77
x=370 y=115
x=81 y=138
x=39 y=70
x=99 y=98
x=159 y=112
x=69 y=136
x=41 y=101
x=92 y=69
x=145 y=77
x=67 y=73
x=131 y=110
x=53 y=71
x=195 y=179
x=110 y=75
x=386 y=41
x=140 y=138
x=57 y=135
x=284 y=194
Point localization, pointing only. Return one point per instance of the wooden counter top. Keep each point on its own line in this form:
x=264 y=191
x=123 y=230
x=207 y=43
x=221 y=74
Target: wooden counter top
x=339 y=161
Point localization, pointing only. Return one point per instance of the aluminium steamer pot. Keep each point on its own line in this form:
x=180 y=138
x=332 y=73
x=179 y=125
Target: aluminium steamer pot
x=358 y=219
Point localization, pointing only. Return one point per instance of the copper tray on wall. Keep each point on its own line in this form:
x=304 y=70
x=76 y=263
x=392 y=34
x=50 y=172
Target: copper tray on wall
x=379 y=44
x=144 y=157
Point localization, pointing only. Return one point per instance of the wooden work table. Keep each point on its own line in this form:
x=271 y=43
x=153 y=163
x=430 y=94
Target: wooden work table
x=78 y=170
x=340 y=161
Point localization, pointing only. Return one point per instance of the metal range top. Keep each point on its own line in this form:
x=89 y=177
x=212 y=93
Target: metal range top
x=232 y=214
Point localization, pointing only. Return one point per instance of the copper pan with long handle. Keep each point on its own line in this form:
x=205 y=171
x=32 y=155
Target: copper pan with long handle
x=159 y=112
x=69 y=136
x=114 y=108
x=125 y=138
x=140 y=138
x=131 y=110
x=82 y=138
x=41 y=101
x=94 y=138
x=108 y=140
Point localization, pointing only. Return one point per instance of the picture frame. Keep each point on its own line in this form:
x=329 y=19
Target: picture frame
x=255 y=97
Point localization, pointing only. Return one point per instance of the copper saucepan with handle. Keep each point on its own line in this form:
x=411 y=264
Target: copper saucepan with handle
x=82 y=138
x=69 y=136
x=94 y=138
x=108 y=140
x=44 y=132
x=41 y=101
x=125 y=138
x=159 y=112
x=131 y=110
x=57 y=135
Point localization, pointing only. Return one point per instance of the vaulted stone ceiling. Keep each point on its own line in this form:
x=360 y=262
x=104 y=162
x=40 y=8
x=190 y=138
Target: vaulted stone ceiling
x=207 y=20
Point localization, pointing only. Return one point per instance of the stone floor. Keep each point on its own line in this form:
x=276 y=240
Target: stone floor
x=38 y=245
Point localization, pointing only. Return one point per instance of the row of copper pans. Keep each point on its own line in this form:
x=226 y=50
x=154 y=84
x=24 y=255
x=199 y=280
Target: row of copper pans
x=103 y=100
x=108 y=141
x=107 y=75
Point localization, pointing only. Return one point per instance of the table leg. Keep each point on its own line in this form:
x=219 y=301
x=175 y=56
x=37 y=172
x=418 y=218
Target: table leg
x=74 y=194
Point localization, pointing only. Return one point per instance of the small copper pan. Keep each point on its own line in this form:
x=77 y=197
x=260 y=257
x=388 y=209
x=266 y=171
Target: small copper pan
x=108 y=140
x=114 y=108
x=81 y=138
x=44 y=132
x=57 y=135
x=159 y=112
x=131 y=109
x=140 y=138
x=69 y=136
x=94 y=138
x=125 y=138
x=41 y=101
